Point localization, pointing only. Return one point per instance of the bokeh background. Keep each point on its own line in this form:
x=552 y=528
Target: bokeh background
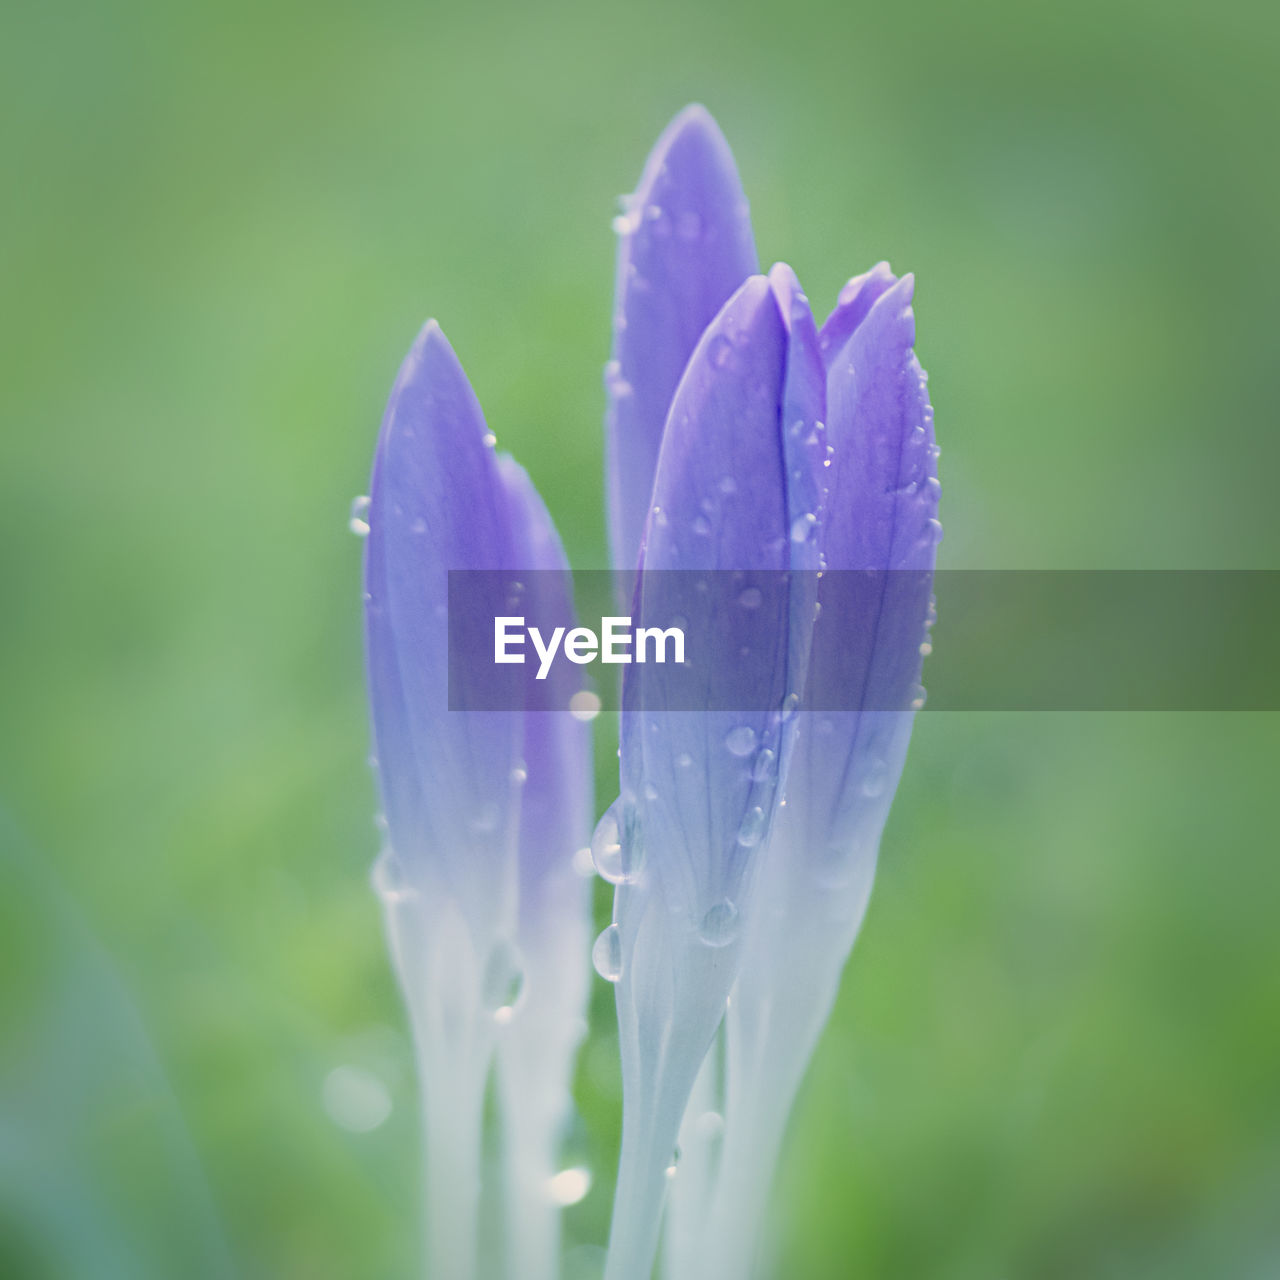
x=1057 y=1049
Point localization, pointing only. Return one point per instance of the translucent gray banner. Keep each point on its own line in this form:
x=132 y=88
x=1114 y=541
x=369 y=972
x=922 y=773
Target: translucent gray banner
x=1003 y=640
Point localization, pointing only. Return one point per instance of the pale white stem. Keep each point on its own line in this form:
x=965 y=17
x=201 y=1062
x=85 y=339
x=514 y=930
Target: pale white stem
x=453 y=1113
x=694 y=1182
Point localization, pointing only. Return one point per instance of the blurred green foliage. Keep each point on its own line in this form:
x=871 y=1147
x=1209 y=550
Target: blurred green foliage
x=1057 y=1050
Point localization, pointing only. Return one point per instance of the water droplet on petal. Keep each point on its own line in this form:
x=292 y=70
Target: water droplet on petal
x=741 y=741
x=689 y=225
x=751 y=598
x=876 y=780
x=684 y=760
x=606 y=847
x=390 y=882
x=802 y=527
x=675 y=1162
x=616 y=852
x=790 y=704
x=728 y=485
x=358 y=521
x=503 y=981
x=764 y=765
x=616 y=385
x=606 y=954
x=709 y=1126
x=721 y=352
x=751 y=828
x=520 y=774
x=719 y=926
x=702 y=526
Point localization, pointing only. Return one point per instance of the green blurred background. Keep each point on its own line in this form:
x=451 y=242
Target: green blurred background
x=1057 y=1049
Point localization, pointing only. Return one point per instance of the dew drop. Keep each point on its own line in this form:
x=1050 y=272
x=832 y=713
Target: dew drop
x=741 y=741
x=390 y=882
x=358 y=520
x=606 y=847
x=684 y=760
x=790 y=704
x=650 y=792
x=802 y=527
x=719 y=926
x=752 y=827
x=616 y=385
x=876 y=780
x=503 y=981
x=728 y=485
x=709 y=1126
x=764 y=765
x=616 y=854
x=689 y=225
x=520 y=774
x=702 y=526
x=675 y=1163
x=721 y=352
x=606 y=954
x=751 y=598
x=925 y=648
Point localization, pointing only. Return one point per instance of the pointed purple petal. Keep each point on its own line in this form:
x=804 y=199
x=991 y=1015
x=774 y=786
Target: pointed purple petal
x=435 y=504
x=720 y=503
x=685 y=246
x=556 y=800
x=856 y=299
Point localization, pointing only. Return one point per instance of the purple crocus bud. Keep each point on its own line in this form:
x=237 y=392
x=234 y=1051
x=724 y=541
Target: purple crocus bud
x=879 y=514
x=483 y=808
x=685 y=245
x=736 y=491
